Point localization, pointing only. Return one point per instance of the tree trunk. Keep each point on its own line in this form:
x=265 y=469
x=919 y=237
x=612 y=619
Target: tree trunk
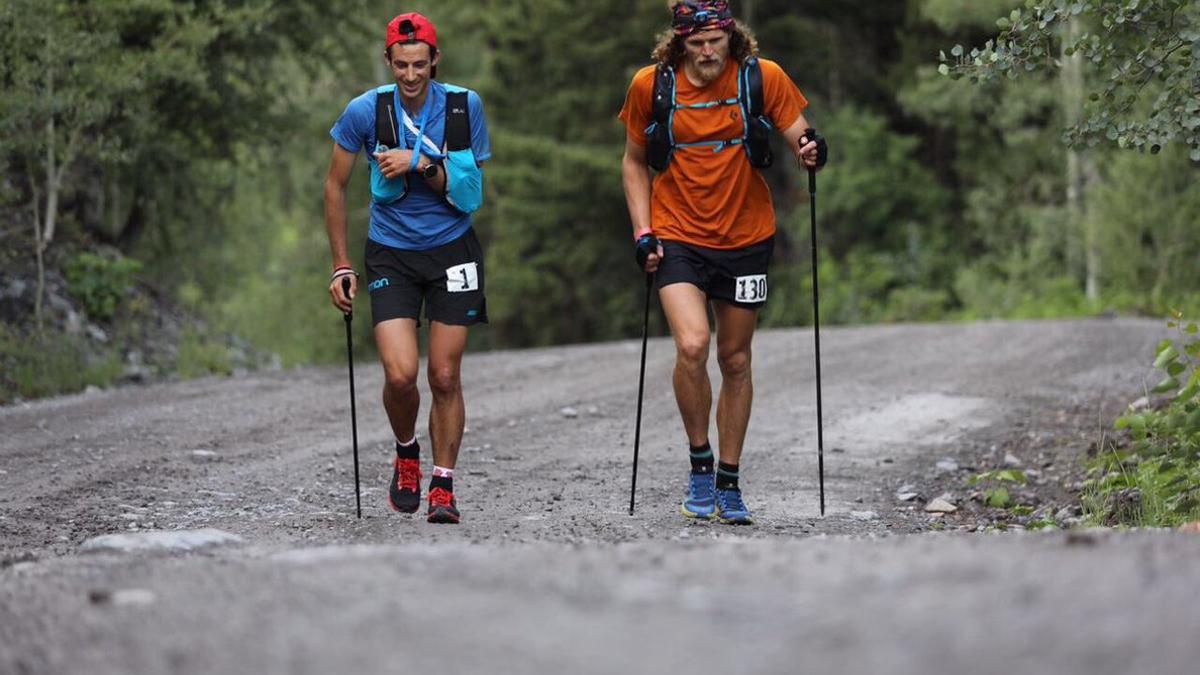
x=53 y=182
x=37 y=249
x=1081 y=172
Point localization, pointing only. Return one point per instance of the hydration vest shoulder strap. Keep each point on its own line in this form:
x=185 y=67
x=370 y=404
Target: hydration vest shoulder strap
x=664 y=93
x=458 y=121
x=754 y=84
x=387 y=130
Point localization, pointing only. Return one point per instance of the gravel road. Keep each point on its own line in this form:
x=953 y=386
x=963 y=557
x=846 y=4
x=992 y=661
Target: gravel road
x=255 y=563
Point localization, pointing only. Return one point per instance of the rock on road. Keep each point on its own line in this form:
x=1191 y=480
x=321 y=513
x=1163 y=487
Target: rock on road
x=208 y=526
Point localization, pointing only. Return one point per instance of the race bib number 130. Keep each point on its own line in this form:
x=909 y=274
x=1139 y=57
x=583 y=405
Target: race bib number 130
x=462 y=278
x=751 y=288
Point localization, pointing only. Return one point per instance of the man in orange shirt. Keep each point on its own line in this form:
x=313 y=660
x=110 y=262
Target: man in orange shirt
x=705 y=226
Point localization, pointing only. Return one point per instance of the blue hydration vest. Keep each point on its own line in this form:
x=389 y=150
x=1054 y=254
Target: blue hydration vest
x=756 y=126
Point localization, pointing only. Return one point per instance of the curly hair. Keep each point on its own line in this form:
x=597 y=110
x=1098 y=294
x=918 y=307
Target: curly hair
x=670 y=50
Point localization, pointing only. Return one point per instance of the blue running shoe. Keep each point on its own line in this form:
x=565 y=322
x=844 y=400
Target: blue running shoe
x=731 y=510
x=701 y=500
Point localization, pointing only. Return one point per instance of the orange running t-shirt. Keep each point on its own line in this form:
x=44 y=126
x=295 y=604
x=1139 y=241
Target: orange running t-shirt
x=705 y=198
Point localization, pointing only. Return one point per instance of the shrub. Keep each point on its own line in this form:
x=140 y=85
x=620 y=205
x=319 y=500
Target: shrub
x=99 y=282
x=33 y=366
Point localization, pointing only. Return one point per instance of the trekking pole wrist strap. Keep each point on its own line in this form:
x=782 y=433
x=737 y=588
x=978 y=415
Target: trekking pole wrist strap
x=342 y=271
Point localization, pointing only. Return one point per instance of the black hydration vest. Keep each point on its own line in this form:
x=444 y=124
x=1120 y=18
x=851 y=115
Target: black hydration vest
x=458 y=158
x=756 y=126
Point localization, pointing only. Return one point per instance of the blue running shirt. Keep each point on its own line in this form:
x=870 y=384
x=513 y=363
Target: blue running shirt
x=423 y=219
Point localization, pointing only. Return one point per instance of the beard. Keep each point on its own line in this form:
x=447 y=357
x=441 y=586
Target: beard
x=710 y=69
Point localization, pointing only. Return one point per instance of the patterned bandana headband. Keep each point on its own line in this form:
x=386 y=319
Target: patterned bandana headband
x=691 y=16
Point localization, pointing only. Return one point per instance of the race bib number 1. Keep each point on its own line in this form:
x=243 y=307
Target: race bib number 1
x=751 y=288
x=462 y=278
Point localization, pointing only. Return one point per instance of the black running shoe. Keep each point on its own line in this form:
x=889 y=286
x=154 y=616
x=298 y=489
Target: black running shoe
x=405 y=491
x=442 y=508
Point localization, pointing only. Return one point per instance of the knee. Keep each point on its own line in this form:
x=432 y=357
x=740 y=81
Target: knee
x=734 y=364
x=399 y=380
x=693 y=349
x=444 y=380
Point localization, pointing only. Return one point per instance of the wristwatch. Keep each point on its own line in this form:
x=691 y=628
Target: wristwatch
x=430 y=172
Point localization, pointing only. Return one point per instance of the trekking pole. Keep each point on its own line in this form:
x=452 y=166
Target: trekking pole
x=637 y=430
x=349 y=317
x=812 y=201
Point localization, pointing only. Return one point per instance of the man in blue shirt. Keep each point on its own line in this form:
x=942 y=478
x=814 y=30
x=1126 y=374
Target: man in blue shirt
x=425 y=142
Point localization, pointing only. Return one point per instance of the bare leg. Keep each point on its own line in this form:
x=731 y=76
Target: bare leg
x=735 y=331
x=685 y=307
x=447 y=415
x=396 y=340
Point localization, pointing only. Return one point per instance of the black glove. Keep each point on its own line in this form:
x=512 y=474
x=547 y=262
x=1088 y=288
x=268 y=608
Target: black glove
x=646 y=245
x=822 y=146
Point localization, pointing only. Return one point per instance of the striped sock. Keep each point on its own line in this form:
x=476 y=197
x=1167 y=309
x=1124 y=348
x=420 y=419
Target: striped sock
x=442 y=478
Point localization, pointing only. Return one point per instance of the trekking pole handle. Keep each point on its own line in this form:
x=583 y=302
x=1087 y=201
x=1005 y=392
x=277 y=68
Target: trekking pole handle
x=346 y=292
x=812 y=181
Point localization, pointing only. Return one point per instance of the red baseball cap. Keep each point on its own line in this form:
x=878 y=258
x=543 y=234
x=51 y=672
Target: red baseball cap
x=409 y=27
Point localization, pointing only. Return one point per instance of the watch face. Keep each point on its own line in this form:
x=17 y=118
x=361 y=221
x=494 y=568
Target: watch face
x=430 y=171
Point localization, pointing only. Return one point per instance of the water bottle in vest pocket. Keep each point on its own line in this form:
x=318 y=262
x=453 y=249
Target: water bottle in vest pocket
x=464 y=180
x=383 y=190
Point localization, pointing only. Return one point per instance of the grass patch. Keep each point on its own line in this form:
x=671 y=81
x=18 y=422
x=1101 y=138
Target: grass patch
x=1151 y=476
x=48 y=364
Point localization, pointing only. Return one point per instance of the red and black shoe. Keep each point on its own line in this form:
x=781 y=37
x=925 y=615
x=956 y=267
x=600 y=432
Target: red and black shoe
x=404 y=494
x=442 y=508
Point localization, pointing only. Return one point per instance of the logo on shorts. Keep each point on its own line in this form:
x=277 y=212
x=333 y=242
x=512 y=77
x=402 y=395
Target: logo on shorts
x=472 y=313
x=378 y=284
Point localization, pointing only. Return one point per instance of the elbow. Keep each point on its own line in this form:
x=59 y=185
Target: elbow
x=334 y=189
x=632 y=166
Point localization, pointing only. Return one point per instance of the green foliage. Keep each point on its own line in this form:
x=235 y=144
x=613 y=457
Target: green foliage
x=953 y=14
x=268 y=283
x=100 y=282
x=999 y=476
x=200 y=356
x=1145 y=52
x=1014 y=289
x=999 y=497
x=1044 y=523
x=33 y=366
x=882 y=233
x=1147 y=211
x=1161 y=466
x=878 y=195
x=194 y=138
x=557 y=251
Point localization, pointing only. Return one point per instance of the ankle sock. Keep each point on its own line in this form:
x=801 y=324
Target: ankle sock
x=442 y=478
x=727 y=476
x=410 y=450
x=702 y=458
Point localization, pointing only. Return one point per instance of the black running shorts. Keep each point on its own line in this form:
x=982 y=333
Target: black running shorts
x=447 y=279
x=738 y=277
